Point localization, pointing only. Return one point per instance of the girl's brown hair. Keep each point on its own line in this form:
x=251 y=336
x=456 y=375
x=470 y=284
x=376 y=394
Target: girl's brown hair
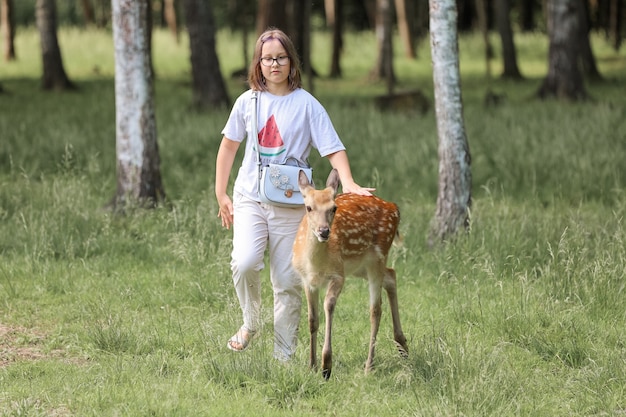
x=255 y=76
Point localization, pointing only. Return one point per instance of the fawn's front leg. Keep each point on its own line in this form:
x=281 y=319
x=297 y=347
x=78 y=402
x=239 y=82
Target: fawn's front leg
x=312 y=298
x=332 y=294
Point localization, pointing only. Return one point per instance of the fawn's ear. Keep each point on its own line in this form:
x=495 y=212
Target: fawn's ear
x=303 y=182
x=333 y=180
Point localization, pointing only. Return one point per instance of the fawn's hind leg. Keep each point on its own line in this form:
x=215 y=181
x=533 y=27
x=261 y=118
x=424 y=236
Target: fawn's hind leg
x=375 y=314
x=389 y=283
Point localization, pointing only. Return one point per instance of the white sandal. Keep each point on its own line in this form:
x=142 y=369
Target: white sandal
x=241 y=340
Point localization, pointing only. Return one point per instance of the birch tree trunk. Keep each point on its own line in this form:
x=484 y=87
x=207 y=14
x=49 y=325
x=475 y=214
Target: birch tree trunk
x=455 y=179
x=138 y=162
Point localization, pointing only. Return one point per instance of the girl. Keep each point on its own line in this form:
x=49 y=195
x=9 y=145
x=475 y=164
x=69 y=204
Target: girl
x=291 y=121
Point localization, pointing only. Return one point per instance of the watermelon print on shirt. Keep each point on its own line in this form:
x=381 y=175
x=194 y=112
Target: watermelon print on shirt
x=270 y=141
x=299 y=125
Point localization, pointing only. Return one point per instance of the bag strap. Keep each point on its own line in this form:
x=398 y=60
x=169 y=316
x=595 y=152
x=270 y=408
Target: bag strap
x=255 y=134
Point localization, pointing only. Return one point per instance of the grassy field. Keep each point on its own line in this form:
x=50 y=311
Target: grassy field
x=104 y=315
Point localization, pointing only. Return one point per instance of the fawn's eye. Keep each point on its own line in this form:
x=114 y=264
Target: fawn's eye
x=333 y=210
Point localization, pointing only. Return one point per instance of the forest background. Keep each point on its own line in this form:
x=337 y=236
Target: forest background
x=102 y=314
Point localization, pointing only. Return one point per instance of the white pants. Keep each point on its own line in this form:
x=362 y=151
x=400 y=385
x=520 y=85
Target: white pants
x=257 y=226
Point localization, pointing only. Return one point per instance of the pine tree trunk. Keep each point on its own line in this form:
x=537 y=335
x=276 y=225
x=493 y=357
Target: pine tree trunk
x=404 y=29
x=337 y=28
x=384 y=31
x=209 y=89
x=138 y=161
x=273 y=13
x=527 y=15
x=88 y=12
x=509 y=55
x=588 y=60
x=481 y=12
x=170 y=16
x=616 y=23
x=455 y=179
x=564 y=80
x=54 y=76
x=7 y=24
x=306 y=43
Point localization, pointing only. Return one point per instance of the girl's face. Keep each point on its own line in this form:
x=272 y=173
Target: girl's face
x=276 y=75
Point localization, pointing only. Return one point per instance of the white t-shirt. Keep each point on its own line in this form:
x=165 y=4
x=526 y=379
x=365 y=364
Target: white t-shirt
x=288 y=126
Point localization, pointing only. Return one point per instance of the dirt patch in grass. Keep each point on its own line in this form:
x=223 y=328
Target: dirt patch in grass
x=22 y=344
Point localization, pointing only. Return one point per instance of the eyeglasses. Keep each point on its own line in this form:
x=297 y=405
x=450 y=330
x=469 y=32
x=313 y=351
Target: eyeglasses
x=281 y=60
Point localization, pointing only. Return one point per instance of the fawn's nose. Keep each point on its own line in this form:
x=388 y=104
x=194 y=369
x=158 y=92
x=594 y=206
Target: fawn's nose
x=324 y=232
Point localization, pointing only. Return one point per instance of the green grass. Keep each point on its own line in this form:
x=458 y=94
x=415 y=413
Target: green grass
x=109 y=315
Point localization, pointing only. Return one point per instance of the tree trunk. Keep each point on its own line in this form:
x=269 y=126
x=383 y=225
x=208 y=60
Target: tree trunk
x=421 y=19
x=329 y=12
x=371 y=11
x=384 y=62
x=616 y=23
x=138 y=161
x=150 y=24
x=209 y=89
x=272 y=13
x=170 y=16
x=288 y=16
x=7 y=23
x=404 y=27
x=465 y=15
x=481 y=12
x=527 y=15
x=105 y=13
x=587 y=59
x=241 y=18
x=509 y=55
x=305 y=39
x=336 y=24
x=296 y=25
x=88 y=12
x=455 y=179
x=564 y=79
x=54 y=76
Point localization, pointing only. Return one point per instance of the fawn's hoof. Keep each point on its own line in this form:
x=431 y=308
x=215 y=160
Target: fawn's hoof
x=402 y=350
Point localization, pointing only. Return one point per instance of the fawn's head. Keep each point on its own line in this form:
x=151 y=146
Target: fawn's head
x=320 y=204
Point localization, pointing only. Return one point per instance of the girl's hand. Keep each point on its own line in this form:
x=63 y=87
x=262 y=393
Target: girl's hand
x=225 y=211
x=354 y=188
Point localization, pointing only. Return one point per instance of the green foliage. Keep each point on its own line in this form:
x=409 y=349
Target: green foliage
x=129 y=315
